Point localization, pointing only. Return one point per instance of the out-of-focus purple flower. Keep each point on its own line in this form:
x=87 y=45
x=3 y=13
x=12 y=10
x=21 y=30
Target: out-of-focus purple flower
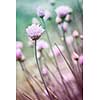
x=62 y=11
x=40 y=12
x=47 y=15
x=58 y=20
x=75 y=56
x=68 y=18
x=19 y=45
x=35 y=21
x=56 y=50
x=64 y=26
x=34 y=31
x=75 y=34
x=69 y=40
x=41 y=44
x=44 y=71
x=81 y=60
x=18 y=54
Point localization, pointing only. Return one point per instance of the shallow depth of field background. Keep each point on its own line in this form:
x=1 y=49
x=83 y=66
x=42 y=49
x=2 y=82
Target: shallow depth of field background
x=25 y=11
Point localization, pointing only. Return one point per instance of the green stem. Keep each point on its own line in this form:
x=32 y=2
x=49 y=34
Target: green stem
x=57 y=67
x=40 y=72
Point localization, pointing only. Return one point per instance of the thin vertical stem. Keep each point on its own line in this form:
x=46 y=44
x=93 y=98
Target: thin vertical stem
x=57 y=67
x=41 y=73
x=73 y=72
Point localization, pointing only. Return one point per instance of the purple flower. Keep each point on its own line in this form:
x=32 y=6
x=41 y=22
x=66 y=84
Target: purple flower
x=34 y=31
x=56 y=50
x=58 y=20
x=64 y=26
x=41 y=44
x=75 y=34
x=18 y=54
x=62 y=11
x=40 y=12
x=68 y=18
x=47 y=15
x=19 y=45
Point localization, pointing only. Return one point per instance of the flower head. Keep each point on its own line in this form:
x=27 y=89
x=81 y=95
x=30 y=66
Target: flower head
x=75 y=34
x=58 y=20
x=34 y=31
x=18 y=54
x=56 y=50
x=68 y=77
x=64 y=26
x=41 y=44
x=68 y=18
x=62 y=11
x=19 y=45
x=40 y=12
x=47 y=15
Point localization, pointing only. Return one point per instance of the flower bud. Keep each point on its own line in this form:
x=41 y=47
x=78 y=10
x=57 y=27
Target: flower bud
x=64 y=26
x=18 y=54
x=58 y=20
x=68 y=18
x=75 y=34
x=40 y=12
x=47 y=15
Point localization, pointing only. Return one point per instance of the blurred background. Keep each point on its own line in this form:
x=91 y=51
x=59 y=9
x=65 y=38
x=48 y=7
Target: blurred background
x=26 y=10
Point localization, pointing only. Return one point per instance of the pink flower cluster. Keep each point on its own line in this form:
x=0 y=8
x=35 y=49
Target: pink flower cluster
x=19 y=55
x=34 y=31
x=42 y=13
x=62 y=11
